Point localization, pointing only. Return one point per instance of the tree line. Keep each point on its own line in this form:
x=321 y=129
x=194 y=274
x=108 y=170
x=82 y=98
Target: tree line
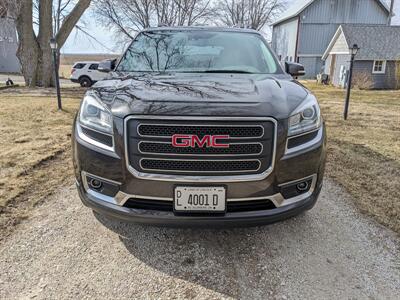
x=39 y=20
x=130 y=16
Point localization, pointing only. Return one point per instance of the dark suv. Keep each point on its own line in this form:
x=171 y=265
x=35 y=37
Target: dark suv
x=199 y=127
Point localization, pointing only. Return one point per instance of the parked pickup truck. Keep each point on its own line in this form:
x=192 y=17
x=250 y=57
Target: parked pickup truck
x=199 y=127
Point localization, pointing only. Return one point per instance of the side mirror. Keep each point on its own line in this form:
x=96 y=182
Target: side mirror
x=294 y=69
x=107 y=65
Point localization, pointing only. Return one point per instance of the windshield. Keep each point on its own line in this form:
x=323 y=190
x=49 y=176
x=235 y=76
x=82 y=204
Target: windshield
x=198 y=51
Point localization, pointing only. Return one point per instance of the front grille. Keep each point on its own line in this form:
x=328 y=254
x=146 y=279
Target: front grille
x=201 y=165
x=149 y=204
x=231 y=207
x=170 y=130
x=254 y=205
x=150 y=150
x=167 y=148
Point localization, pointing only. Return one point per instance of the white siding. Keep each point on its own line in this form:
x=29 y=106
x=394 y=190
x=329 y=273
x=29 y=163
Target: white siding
x=342 y=61
x=340 y=46
x=327 y=66
x=284 y=39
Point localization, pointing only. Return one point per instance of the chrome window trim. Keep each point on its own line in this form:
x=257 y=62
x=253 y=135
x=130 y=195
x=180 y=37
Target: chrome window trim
x=188 y=171
x=205 y=125
x=206 y=179
x=305 y=145
x=201 y=154
x=91 y=141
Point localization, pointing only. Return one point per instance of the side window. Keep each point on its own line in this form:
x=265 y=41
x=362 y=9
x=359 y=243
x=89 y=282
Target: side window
x=379 y=67
x=93 y=66
x=78 y=66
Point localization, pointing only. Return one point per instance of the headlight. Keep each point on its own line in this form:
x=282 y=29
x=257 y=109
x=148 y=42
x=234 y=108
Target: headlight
x=95 y=115
x=306 y=117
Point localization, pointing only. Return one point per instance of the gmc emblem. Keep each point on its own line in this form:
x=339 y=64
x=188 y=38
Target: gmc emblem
x=190 y=141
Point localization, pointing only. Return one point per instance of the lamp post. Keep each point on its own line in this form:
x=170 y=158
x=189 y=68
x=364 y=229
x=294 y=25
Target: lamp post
x=353 y=52
x=53 y=46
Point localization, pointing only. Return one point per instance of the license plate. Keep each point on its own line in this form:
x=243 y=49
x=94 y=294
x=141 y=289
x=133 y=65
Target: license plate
x=200 y=199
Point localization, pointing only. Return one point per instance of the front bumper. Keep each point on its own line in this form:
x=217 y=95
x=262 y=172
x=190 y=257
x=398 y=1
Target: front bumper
x=162 y=218
x=289 y=168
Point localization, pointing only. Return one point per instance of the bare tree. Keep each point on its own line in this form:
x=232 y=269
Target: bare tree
x=34 y=51
x=125 y=17
x=253 y=14
x=130 y=16
x=190 y=12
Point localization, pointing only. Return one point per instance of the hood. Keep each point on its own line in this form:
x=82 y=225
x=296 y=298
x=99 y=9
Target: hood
x=244 y=95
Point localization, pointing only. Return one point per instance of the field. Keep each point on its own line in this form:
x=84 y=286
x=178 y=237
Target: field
x=68 y=60
x=363 y=152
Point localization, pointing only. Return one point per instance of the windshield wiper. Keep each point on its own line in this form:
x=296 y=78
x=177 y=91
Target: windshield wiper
x=227 y=71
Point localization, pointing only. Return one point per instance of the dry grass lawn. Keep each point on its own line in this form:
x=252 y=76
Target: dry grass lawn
x=35 y=148
x=65 y=71
x=363 y=152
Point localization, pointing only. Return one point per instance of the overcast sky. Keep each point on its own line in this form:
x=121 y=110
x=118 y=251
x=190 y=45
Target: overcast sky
x=80 y=43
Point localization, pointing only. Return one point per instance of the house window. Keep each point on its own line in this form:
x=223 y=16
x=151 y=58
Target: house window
x=379 y=67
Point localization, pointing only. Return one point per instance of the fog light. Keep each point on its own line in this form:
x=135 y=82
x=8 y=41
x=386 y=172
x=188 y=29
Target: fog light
x=302 y=186
x=297 y=188
x=96 y=184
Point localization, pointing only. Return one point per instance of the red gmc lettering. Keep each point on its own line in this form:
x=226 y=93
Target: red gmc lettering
x=185 y=141
x=205 y=141
x=215 y=144
x=181 y=141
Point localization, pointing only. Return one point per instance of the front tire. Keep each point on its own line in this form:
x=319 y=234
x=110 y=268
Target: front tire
x=85 y=81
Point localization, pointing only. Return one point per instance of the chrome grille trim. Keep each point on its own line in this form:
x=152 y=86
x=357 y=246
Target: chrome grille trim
x=200 y=154
x=203 y=125
x=197 y=171
x=202 y=178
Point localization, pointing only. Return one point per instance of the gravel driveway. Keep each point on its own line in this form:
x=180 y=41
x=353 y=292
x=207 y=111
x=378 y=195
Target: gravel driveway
x=63 y=251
